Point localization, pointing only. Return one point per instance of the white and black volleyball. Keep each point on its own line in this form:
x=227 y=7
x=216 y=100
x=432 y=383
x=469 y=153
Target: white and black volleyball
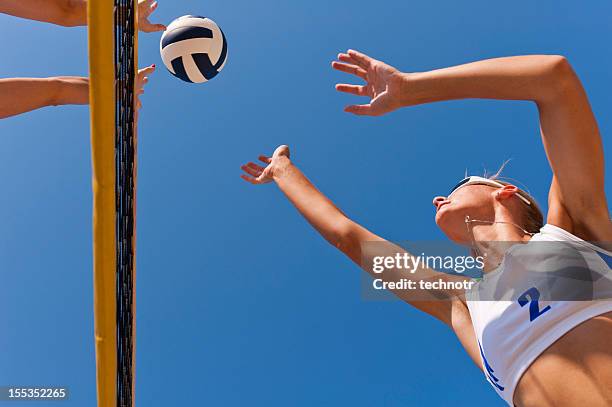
x=194 y=49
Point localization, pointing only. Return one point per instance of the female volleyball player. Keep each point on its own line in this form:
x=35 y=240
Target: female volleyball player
x=20 y=95
x=552 y=353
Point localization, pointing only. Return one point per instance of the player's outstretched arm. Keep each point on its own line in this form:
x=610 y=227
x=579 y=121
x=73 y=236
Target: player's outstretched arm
x=530 y=77
x=67 y=13
x=71 y=13
x=569 y=130
x=347 y=235
x=21 y=95
x=340 y=231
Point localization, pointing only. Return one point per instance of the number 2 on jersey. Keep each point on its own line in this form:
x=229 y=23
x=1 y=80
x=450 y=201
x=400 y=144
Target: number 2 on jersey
x=532 y=296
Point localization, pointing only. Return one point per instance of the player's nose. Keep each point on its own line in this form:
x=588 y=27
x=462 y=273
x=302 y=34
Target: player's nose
x=437 y=201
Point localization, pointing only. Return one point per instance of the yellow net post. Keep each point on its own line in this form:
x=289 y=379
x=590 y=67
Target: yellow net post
x=112 y=68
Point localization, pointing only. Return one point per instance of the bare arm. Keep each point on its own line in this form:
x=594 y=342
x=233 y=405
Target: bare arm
x=71 y=13
x=569 y=129
x=67 y=13
x=352 y=239
x=20 y=95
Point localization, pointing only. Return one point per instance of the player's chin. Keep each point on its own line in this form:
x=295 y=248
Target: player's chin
x=442 y=220
x=442 y=216
x=449 y=223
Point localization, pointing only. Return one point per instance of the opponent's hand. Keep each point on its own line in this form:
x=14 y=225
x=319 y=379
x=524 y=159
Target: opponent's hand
x=142 y=78
x=145 y=9
x=263 y=175
x=384 y=84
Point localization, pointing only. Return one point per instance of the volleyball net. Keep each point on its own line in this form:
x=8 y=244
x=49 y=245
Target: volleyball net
x=112 y=66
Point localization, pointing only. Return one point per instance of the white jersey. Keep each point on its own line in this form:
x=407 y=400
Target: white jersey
x=514 y=323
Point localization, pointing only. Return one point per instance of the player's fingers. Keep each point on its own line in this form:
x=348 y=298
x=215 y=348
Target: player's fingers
x=352 y=89
x=265 y=159
x=251 y=171
x=149 y=28
x=249 y=179
x=361 y=110
x=146 y=3
x=347 y=58
x=144 y=72
x=256 y=167
x=362 y=59
x=350 y=69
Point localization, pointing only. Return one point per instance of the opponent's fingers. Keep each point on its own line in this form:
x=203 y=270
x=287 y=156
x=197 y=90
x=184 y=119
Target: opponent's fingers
x=350 y=69
x=352 y=89
x=153 y=27
x=146 y=26
x=361 y=110
x=265 y=159
x=144 y=72
x=362 y=59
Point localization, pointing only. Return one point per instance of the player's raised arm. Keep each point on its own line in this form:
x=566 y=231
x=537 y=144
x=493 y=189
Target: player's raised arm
x=348 y=236
x=71 y=13
x=569 y=129
x=67 y=13
x=531 y=77
x=21 y=95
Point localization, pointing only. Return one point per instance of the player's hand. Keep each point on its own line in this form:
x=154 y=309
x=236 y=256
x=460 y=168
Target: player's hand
x=384 y=84
x=257 y=174
x=145 y=9
x=142 y=78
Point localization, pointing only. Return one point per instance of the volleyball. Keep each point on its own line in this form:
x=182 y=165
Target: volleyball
x=193 y=49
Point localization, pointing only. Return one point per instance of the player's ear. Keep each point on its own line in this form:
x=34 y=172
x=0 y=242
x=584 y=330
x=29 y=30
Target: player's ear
x=505 y=192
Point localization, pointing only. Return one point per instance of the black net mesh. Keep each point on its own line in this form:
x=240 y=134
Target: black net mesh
x=125 y=191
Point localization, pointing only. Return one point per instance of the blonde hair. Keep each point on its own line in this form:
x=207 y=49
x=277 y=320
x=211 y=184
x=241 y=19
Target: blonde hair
x=532 y=219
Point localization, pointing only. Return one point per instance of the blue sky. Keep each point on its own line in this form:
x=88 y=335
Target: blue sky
x=240 y=303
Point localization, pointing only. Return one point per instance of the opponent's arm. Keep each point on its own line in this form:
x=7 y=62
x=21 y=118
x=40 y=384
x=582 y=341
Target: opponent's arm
x=569 y=129
x=71 y=13
x=67 y=13
x=345 y=234
x=21 y=95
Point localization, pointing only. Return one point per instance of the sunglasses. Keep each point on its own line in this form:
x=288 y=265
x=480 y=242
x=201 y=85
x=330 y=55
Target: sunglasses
x=475 y=180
